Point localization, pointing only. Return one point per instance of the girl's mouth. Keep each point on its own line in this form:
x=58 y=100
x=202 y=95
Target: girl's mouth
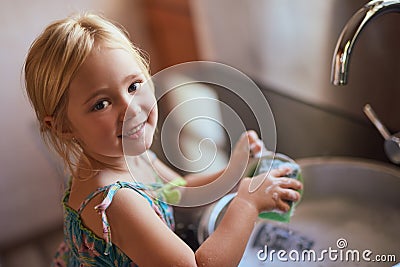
x=135 y=132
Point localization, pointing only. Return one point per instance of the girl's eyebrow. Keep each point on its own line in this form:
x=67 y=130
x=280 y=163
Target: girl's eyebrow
x=133 y=76
x=95 y=94
x=104 y=90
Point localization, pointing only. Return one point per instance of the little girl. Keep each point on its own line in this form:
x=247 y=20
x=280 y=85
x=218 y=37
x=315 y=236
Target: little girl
x=86 y=80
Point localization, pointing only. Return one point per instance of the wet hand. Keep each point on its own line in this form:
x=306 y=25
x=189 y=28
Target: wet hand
x=273 y=193
x=249 y=144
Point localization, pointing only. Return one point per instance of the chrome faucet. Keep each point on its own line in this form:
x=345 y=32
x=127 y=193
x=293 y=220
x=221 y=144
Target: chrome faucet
x=341 y=58
x=350 y=32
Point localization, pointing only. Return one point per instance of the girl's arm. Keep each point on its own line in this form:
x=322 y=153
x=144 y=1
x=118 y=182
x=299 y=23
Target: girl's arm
x=137 y=230
x=248 y=144
x=192 y=180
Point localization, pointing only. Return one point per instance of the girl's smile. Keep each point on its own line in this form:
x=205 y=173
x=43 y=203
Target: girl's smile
x=135 y=132
x=108 y=101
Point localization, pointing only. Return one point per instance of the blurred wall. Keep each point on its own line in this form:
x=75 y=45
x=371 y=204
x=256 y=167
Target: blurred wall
x=287 y=47
x=31 y=178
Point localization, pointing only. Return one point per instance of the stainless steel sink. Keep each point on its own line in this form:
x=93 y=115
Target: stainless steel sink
x=348 y=204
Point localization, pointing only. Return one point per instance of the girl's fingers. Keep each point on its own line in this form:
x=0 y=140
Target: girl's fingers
x=283 y=171
x=285 y=182
x=284 y=196
x=289 y=195
x=291 y=183
x=252 y=136
x=282 y=205
x=256 y=145
x=255 y=148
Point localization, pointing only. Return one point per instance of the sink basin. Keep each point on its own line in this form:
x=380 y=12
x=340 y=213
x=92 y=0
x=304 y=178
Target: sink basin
x=348 y=204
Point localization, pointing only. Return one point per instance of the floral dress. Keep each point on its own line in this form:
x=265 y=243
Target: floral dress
x=81 y=247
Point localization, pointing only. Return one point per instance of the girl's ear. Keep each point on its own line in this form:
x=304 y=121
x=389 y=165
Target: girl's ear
x=48 y=121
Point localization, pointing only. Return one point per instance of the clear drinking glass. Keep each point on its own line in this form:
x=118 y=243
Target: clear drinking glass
x=268 y=162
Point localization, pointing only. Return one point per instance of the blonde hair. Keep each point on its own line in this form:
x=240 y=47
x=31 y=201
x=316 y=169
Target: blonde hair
x=53 y=60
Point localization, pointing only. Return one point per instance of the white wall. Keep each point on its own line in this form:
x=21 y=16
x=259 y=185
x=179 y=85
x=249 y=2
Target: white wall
x=31 y=180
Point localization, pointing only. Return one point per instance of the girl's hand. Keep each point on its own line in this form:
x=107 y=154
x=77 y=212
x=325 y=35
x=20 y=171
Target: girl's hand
x=248 y=145
x=273 y=193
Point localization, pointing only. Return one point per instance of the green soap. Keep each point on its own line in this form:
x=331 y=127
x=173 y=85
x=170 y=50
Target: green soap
x=172 y=196
x=171 y=193
x=267 y=163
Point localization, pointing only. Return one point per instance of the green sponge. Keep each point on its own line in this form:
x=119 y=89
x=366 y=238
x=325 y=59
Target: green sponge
x=171 y=193
x=270 y=162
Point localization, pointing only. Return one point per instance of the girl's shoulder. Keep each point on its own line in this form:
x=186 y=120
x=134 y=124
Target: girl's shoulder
x=111 y=207
x=138 y=170
x=93 y=220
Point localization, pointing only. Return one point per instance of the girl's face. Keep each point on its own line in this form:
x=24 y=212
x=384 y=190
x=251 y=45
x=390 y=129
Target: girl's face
x=107 y=86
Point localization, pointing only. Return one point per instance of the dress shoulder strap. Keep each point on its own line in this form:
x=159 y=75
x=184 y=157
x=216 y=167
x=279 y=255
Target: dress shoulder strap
x=91 y=196
x=110 y=190
x=102 y=207
x=109 y=193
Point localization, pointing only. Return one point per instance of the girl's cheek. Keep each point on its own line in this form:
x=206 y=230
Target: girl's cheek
x=153 y=116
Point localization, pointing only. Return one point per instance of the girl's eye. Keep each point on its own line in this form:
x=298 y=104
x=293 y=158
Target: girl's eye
x=133 y=87
x=101 y=105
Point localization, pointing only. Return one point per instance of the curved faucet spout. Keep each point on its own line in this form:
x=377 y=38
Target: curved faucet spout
x=350 y=32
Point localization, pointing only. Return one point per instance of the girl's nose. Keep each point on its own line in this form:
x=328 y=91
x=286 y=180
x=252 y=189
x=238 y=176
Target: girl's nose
x=131 y=108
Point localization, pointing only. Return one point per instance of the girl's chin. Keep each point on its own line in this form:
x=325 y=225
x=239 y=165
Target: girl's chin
x=137 y=146
x=135 y=149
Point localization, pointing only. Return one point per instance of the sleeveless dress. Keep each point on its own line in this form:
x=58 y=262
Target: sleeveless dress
x=81 y=247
